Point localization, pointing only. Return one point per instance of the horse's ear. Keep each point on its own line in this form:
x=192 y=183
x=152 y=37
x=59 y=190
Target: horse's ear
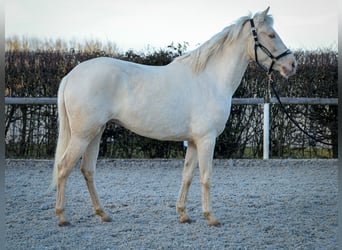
x=265 y=12
x=260 y=18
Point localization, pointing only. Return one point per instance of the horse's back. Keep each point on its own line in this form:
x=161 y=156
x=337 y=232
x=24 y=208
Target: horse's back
x=102 y=68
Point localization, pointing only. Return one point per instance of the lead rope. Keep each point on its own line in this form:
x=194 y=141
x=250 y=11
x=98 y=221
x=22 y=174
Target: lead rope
x=271 y=83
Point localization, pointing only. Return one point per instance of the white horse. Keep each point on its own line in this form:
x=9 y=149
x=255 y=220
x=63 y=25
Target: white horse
x=186 y=100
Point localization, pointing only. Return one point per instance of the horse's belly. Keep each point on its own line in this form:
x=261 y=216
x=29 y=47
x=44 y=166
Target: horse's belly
x=151 y=114
x=156 y=129
x=176 y=125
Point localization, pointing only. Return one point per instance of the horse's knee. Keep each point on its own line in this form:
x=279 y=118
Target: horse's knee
x=205 y=183
x=87 y=174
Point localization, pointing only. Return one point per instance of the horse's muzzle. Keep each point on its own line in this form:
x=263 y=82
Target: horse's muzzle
x=288 y=67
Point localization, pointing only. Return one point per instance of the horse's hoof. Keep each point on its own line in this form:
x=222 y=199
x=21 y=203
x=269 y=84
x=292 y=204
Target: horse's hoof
x=185 y=219
x=106 y=218
x=64 y=223
x=214 y=223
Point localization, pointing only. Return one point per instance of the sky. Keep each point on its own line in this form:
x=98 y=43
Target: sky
x=139 y=24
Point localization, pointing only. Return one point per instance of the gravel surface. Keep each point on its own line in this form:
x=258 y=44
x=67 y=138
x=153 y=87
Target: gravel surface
x=274 y=204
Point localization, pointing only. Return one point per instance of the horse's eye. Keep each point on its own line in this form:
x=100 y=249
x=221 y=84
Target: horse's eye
x=272 y=36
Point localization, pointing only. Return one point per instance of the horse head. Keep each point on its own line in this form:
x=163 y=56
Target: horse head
x=266 y=47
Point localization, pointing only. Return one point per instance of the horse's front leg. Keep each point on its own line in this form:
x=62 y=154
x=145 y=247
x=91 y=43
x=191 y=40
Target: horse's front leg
x=188 y=172
x=205 y=149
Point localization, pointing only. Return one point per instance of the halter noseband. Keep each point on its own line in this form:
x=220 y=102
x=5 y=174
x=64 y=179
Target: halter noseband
x=265 y=50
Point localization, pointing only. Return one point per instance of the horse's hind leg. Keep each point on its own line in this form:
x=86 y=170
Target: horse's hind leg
x=88 y=166
x=188 y=172
x=72 y=153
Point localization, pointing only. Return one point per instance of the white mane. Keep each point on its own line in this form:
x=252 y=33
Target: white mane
x=199 y=57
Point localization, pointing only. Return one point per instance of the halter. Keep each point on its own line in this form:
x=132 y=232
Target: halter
x=265 y=50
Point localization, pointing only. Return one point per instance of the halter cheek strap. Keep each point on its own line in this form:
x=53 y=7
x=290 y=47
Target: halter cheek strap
x=265 y=50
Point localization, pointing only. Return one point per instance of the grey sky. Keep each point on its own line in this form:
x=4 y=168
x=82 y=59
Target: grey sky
x=135 y=24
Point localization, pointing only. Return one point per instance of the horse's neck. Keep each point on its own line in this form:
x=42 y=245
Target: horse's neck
x=228 y=68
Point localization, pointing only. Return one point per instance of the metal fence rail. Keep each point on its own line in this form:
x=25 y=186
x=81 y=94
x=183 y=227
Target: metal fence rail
x=235 y=101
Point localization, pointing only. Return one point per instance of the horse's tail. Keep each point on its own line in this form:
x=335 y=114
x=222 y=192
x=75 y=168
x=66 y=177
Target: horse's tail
x=63 y=132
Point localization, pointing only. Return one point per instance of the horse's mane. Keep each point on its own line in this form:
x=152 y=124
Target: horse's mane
x=199 y=57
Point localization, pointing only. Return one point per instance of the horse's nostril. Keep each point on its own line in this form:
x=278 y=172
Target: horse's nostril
x=293 y=64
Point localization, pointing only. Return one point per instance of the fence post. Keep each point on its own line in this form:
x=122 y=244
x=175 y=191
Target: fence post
x=266 y=131
x=266 y=142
